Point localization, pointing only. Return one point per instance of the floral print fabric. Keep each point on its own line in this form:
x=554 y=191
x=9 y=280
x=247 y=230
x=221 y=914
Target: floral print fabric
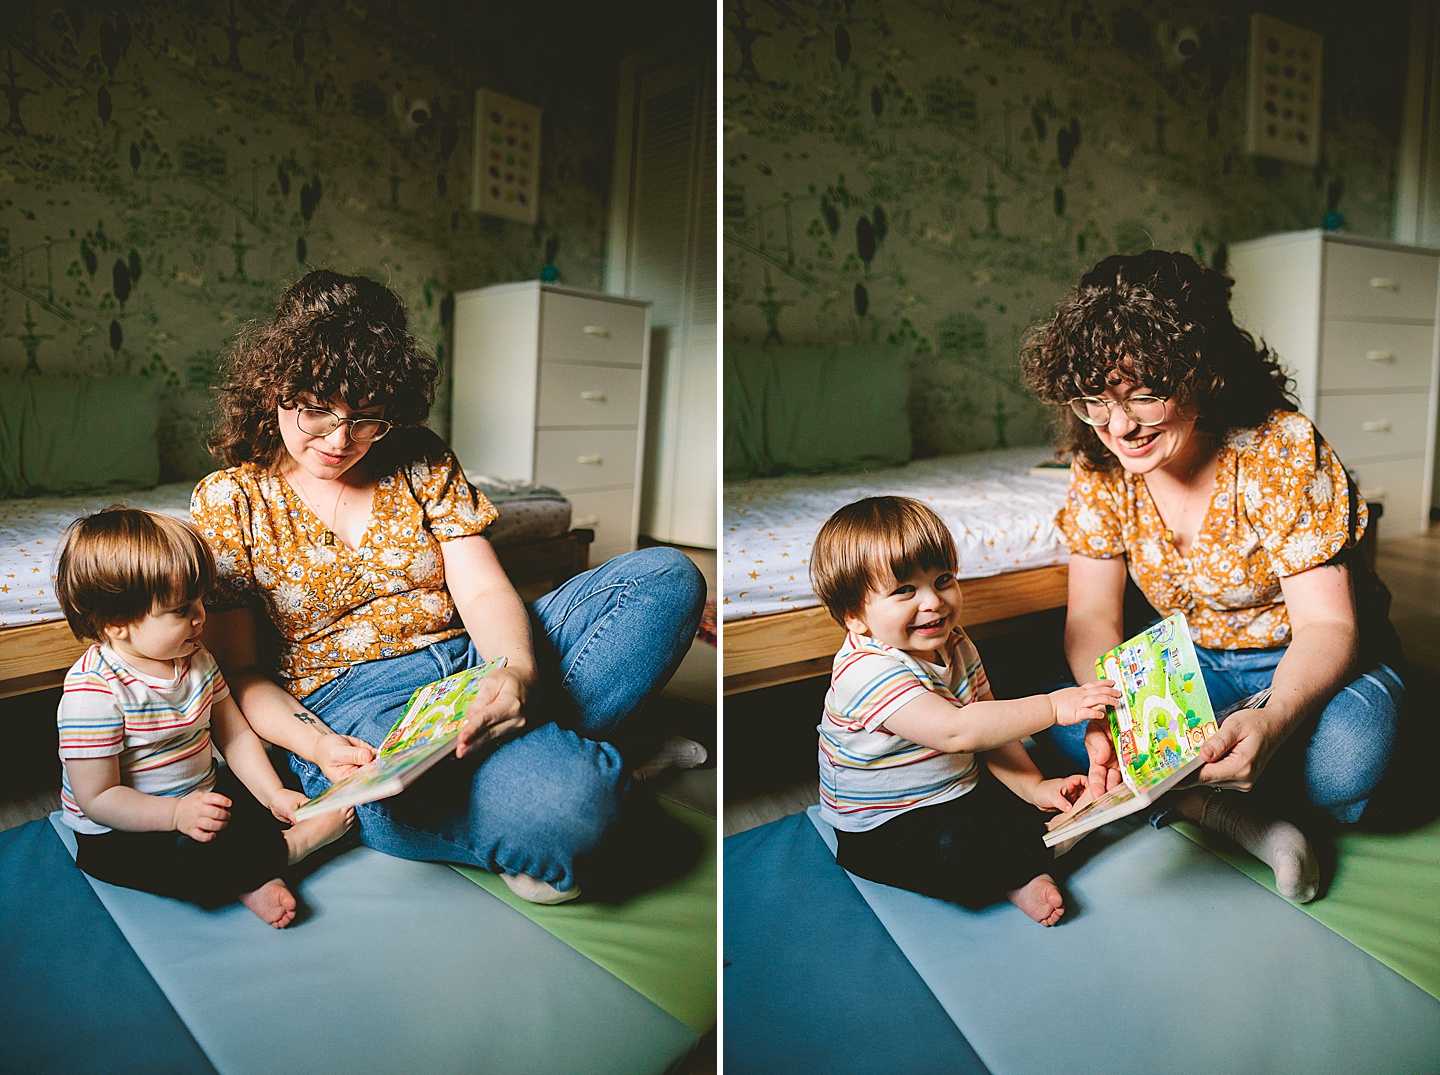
x=334 y=606
x=1282 y=504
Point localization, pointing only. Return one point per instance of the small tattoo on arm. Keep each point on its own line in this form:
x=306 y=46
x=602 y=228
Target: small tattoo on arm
x=306 y=717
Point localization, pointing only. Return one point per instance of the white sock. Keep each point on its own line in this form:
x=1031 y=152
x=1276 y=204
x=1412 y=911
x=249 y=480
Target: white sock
x=674 y=753
x=535 y=891
x=1275 y=842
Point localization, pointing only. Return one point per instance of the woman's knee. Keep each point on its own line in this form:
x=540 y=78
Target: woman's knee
x=558 y=802
x=1352 y=744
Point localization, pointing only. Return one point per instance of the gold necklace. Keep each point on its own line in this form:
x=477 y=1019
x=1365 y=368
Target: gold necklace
x=328 y=537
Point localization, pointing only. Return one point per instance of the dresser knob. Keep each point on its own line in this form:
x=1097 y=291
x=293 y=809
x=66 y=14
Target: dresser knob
x=1381 y=426
x=1380 y=356
x=585 y=524
x=1384 y=283
x=597 y=330
x=590 y=460
x=598 y=397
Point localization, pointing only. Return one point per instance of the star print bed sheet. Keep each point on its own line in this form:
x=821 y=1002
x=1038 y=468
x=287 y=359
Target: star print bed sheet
x=1002 y=516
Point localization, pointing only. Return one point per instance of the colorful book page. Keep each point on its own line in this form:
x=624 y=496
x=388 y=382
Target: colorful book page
x=1164 y=712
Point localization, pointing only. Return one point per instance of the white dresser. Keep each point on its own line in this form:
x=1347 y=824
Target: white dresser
x=1354 y=322
x=550 y=388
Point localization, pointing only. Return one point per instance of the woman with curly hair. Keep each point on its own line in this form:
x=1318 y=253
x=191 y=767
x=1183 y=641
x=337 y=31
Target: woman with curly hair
x=353 y=531
x=1194 y=473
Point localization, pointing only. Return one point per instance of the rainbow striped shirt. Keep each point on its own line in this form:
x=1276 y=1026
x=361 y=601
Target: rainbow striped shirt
x=160 y=730
x=868 y=774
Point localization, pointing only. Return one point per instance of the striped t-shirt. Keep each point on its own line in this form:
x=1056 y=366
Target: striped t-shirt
x=160 y=729
x=867 y=773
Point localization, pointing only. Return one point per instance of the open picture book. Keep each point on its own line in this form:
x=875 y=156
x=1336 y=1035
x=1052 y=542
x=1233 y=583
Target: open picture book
x=425 y=733
x=1163 y=717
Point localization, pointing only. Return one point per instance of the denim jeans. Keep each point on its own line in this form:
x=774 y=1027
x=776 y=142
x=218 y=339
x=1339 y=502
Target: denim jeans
x=1337 y=758
x=540 y=803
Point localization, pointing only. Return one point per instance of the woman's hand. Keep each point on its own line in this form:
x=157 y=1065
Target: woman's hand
x=1058 y=793
x=285 y=802
x=340 y=755
x=201 y=814
x=1237 y=754
x=1104 y=766
x=498 y=709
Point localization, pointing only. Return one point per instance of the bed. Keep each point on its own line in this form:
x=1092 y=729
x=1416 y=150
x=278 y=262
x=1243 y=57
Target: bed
x=1012 y=562
x=532 y=538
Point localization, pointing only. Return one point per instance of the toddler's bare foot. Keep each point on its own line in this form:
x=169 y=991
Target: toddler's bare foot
x=1040 y=899
x=316 y=832
x=272 y=902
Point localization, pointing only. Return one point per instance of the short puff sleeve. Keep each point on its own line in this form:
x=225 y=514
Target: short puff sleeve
x=1091 y=520
x=222 y=513
x=1298 y=497
x=452 y=507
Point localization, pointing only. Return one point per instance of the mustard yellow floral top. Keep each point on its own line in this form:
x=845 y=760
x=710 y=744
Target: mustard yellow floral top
x=1282 y=504
x=334 y=606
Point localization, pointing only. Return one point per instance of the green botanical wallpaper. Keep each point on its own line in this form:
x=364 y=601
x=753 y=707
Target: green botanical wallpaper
x=167 y=166
x=939 y=172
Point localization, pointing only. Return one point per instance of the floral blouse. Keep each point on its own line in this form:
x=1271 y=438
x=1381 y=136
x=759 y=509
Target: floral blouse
x=334 y=606
x=1282 y=504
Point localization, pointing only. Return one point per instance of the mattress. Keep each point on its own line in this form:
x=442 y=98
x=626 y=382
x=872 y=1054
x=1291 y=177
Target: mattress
x=31 y=528
x=1002 y=516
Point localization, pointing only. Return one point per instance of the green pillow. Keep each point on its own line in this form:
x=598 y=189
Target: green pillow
x=808 y=410
x=62 y=435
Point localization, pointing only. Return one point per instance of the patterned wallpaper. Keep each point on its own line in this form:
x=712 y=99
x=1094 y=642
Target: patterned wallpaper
x=166 y=168
x=939 y=172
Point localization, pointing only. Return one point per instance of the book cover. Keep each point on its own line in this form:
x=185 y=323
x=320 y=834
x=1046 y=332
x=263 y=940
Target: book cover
x=425 y=733
x=1163 y=716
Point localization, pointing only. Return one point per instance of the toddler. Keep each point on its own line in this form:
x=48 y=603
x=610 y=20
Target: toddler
x=922 y=773
x=149 y=806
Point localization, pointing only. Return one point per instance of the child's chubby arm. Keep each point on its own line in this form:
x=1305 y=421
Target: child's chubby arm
x=244 y=752
x=1013 y=767
x=96 y=785
x=986 y=724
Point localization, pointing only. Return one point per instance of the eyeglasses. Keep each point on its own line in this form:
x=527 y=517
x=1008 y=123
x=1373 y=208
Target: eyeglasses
x=1142 y=410
x=318 y=422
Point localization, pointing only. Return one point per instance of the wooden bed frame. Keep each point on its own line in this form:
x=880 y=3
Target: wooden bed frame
x=786 y=646
x=35 y=657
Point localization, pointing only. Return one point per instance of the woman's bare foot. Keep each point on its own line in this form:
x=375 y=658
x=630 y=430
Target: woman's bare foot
x=316 y=832
x=1040 y=899
x=272 y=902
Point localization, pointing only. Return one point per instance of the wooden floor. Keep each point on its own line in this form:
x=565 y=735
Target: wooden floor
x=1410 y=567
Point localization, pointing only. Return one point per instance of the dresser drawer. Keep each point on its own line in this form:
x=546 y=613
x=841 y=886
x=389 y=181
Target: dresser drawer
x=577 y=459
x=578 y=329
x=576 y=395
x=609 y=513
x=1375 y=354
x=1374 y=426
x=1400 y=485
x=1363 y=281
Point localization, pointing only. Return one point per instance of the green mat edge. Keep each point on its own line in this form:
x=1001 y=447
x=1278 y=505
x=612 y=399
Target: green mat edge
x=1339 y=909
x=693 y=1003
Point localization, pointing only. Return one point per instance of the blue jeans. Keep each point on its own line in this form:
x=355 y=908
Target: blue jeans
x=541 y=803
x=1337 y=758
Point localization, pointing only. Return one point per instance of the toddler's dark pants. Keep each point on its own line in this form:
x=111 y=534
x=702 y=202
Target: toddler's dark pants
x=971 y=850
x=249 y=851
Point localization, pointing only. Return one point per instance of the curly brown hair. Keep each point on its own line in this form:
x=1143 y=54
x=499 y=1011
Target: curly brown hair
x=1161 y=320
x=334 y=337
